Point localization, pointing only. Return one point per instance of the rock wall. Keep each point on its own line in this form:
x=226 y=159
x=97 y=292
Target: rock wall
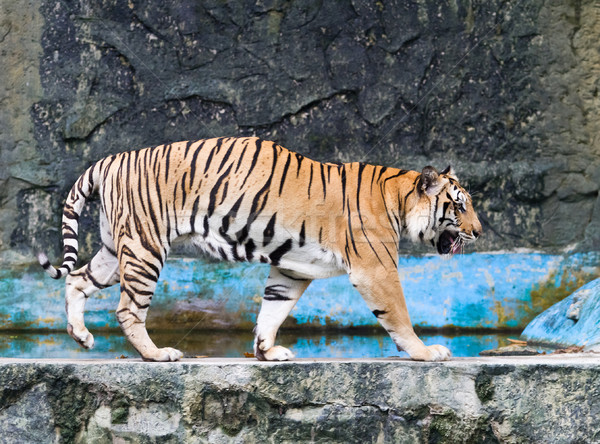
x=505 y=91
x=502 y=400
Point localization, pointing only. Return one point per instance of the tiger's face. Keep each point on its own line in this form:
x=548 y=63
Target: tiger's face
x=454 y=222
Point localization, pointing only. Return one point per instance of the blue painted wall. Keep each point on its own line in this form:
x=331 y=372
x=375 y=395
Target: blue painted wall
x=468 y=291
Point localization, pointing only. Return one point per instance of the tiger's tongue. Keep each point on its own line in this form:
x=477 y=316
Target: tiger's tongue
x=455 y=246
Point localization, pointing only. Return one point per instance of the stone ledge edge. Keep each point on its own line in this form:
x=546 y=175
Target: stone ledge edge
x=586 y=359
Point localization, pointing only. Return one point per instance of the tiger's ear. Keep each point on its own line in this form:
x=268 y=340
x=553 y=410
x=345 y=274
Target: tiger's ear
x=430 y=180
x=449 y=171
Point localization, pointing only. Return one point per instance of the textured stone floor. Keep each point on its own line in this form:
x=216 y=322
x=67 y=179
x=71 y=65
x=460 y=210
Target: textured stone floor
x=508 y=399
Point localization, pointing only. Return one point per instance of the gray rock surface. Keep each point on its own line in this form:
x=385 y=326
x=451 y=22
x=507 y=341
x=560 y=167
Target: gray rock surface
x=506 y=91
x=492 y=400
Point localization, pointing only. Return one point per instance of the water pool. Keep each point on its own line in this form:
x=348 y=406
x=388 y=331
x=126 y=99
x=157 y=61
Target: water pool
x=315 y=344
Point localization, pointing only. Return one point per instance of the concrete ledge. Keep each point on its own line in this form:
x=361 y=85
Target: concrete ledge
x=526 y=399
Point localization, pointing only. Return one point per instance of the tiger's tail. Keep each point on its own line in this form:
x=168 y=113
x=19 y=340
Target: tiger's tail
x=80 y=192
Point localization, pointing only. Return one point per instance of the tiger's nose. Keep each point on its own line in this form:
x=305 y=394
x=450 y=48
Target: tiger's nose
x=476 y=233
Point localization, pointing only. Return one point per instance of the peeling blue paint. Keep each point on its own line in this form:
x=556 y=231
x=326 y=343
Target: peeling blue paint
x=468 y=291
x=562 y=325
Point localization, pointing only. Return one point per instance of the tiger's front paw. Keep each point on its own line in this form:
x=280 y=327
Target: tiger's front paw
x=434 y=352
x=275 y=353
x=166 y=354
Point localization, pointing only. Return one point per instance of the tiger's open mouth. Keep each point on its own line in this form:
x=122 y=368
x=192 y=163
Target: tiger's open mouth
x=449 y=242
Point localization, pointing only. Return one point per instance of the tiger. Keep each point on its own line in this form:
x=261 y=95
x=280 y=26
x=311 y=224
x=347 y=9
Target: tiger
x=251 y=200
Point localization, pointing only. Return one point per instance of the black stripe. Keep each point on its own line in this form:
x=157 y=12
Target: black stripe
x=212 y=153
x=237 y=167
x=151 y=212
x=284 y=274
x=242 y=235
x=223 y=232
x=168 y=219
x=205 y=226
x=131 y=295
x=224 y=194
x=284 y=173
x=223 y=254
x=249 y=247
x=310 y=180
x=254 y=160
x=278 y=253
x=140 y=192
x=188 y=144
x=194 y=214
x=167 y=157
x=323 y=180
x=90 y=178
x=444 y=210
x=379 y=313
x=225 y=157
x=411 y=190
x=400 y=173
x=276 y=292
x=269 y=231
x=389 y=215
x=159 y=193
x=145 y=240
x=435 y=207
x=361 y=168
x=343 y=177
x=151 y=274
x=183 y=189
x=93 y=280
x=381 y=171
x=232 y=213
x=215 y=189
x=390 y=255
x=351 y=233
x=302 y=235
x=194 y=162
x=70 y=213
x=299 y=159
x=69 y=249
x=347 y=250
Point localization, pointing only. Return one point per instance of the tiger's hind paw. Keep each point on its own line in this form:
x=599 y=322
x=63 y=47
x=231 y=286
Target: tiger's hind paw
x=275 y=353
x=83 y=337
x=166 y=354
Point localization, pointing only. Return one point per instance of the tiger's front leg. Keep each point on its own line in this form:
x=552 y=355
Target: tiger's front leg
x=381 y=290
x=281 y=294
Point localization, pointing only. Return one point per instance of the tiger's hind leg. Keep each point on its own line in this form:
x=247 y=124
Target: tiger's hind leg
x=281 y=294
x=139 y=275
x=101 y=272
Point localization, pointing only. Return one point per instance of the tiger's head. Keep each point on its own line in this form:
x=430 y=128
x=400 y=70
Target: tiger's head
x=451 y=221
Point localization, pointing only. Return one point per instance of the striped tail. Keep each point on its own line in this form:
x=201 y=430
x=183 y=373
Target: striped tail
x=78 y=195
